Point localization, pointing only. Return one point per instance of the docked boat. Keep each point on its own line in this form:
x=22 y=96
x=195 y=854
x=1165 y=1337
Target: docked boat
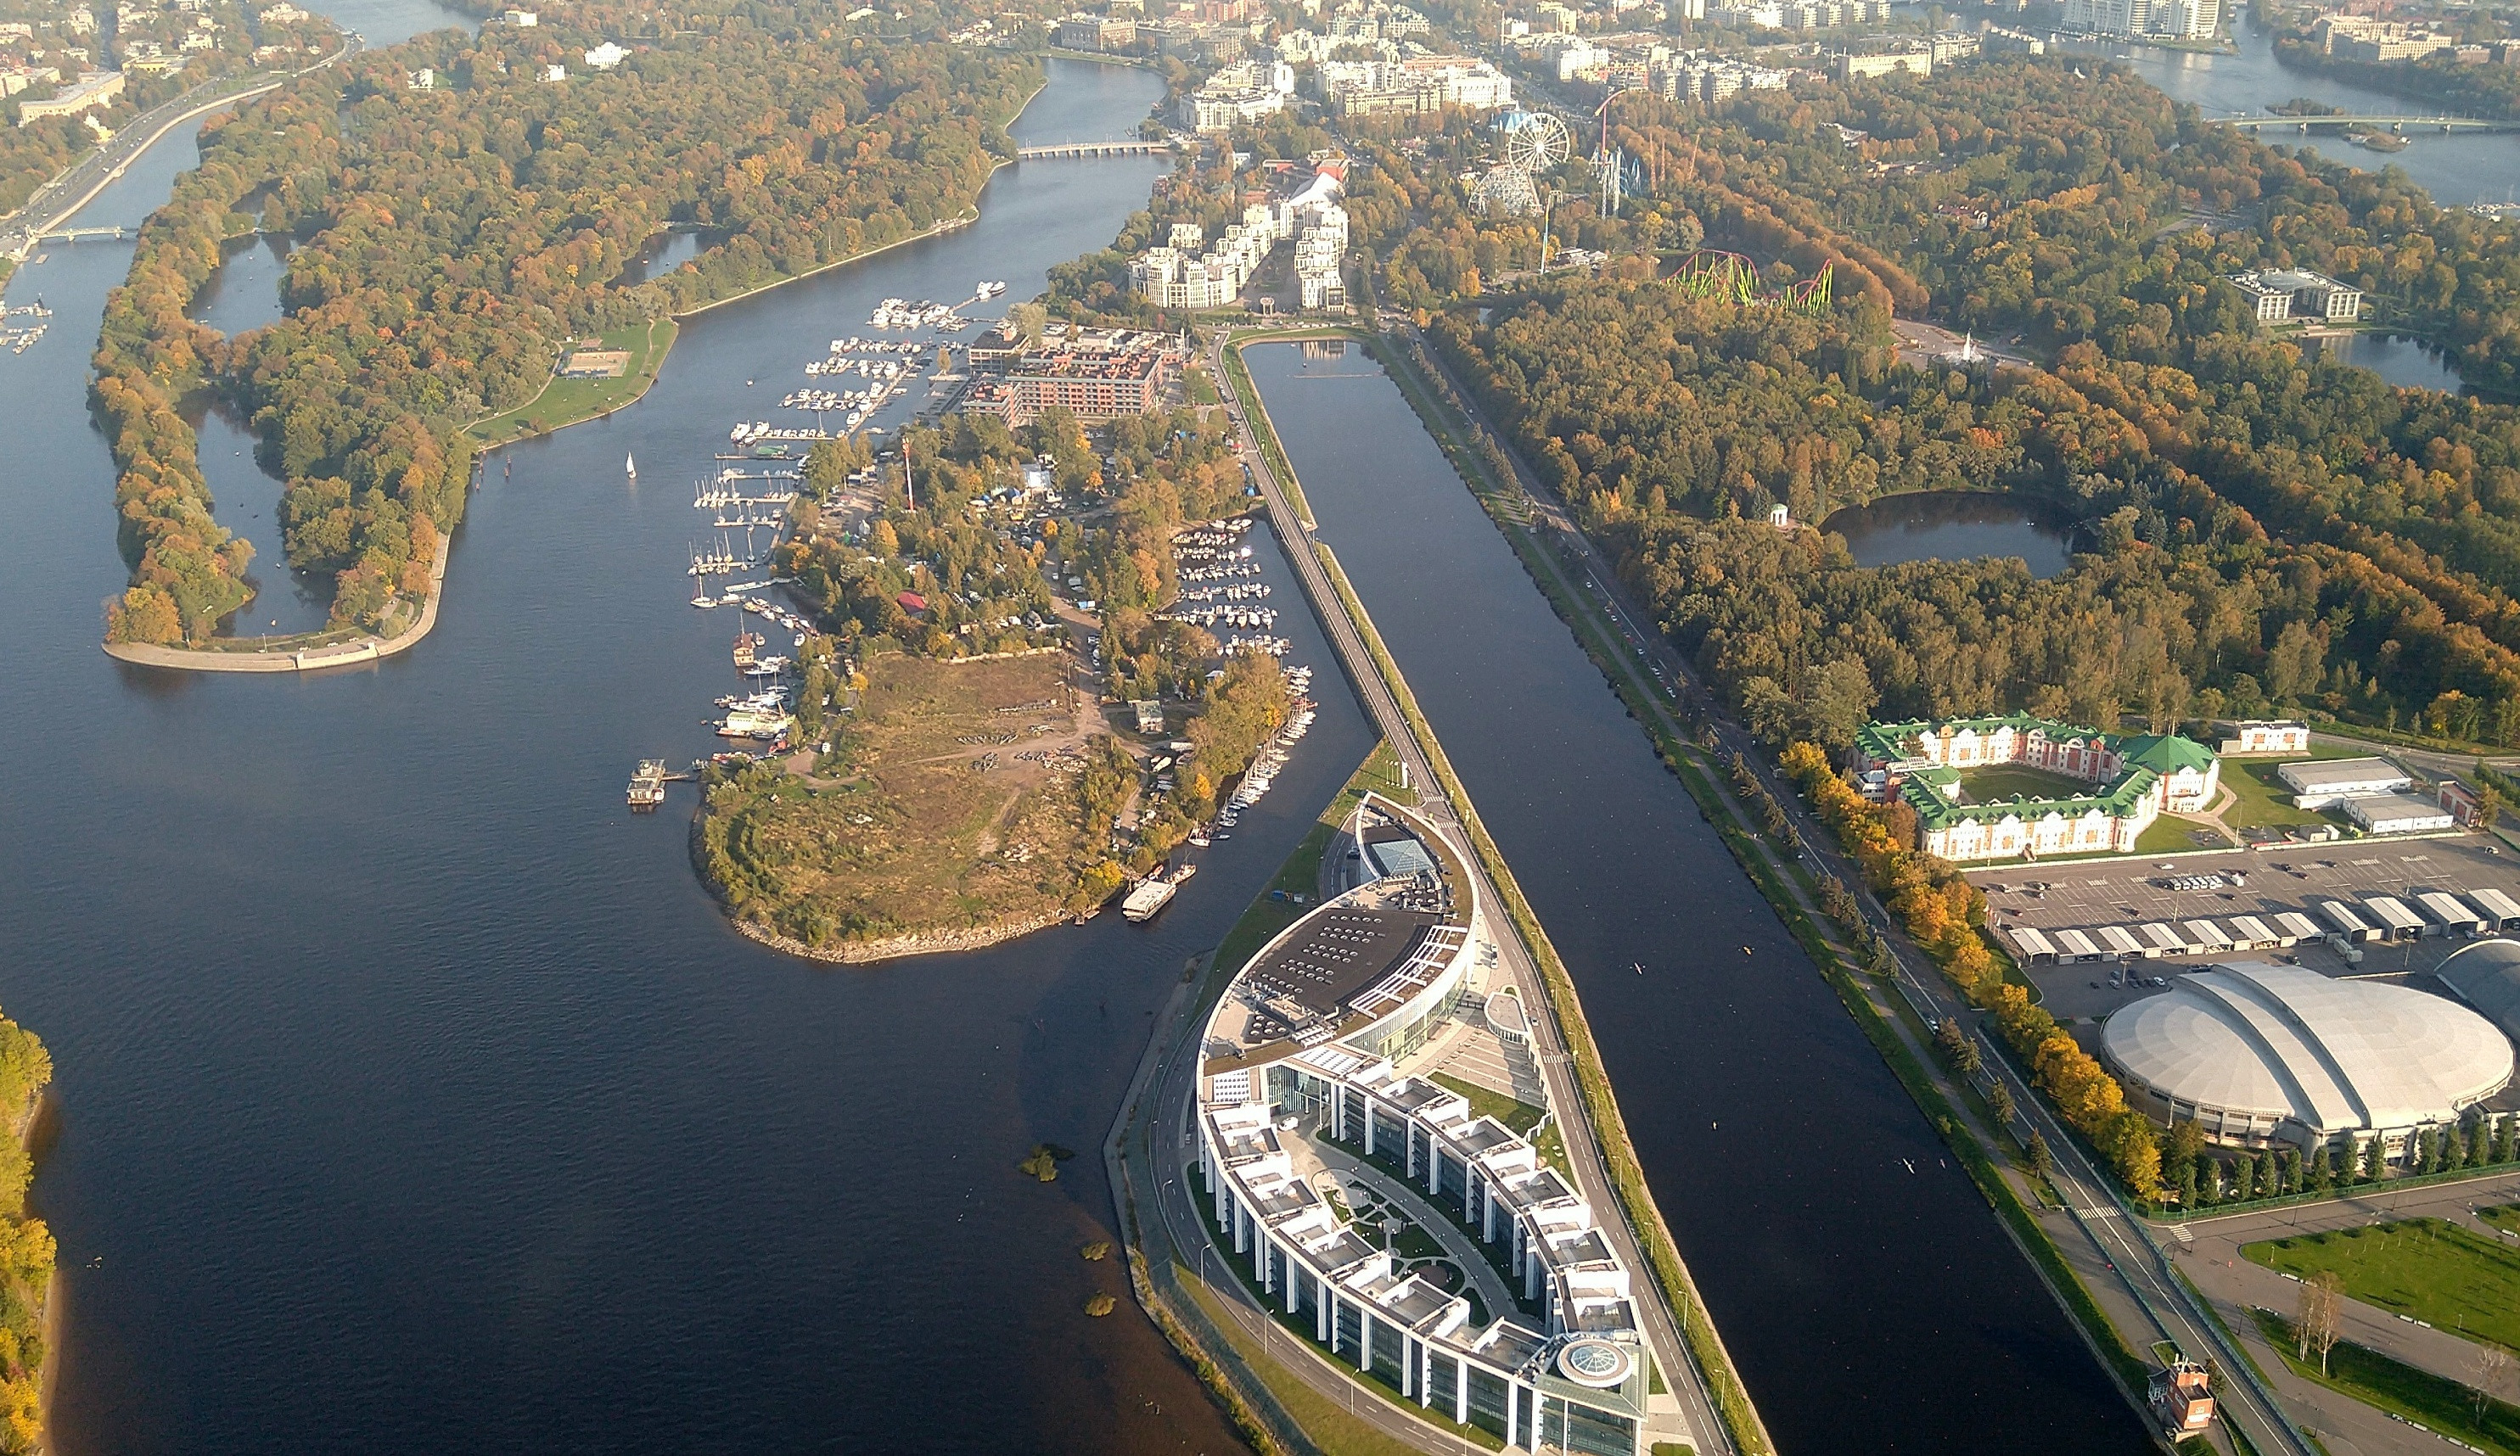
x=751 y=723
x=648 y=784
x=747 y=644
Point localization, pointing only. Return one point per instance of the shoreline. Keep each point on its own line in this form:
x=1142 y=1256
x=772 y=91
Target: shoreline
x=368 y=647
x=899 y=947
x=48 y=1375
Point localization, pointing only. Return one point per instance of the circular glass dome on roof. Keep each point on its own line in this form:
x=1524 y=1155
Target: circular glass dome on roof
x=1597 y=1363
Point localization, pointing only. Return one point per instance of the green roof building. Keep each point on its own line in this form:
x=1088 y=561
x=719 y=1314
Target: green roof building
x=2134 y=779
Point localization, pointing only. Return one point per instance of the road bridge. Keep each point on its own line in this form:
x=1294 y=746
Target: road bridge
x=1093 y=149
x=81 y=235
x=2390 y=123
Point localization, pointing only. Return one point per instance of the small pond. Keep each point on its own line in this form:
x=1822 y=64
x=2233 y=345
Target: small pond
x=2398 y=358
x=1953 y=526
x=246 y=499
x=244 y=293
x=659 y=255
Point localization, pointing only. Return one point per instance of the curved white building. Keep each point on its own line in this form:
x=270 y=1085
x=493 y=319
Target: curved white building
x=1298 y=1088
x=2263 y=1053
x=2487 y=976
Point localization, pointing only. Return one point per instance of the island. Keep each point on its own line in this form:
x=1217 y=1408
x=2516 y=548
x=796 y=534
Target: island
x=466 y=208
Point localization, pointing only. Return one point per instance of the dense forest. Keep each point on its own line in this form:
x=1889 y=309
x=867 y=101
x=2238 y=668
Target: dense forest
x=2264 y=529
x=453 y=239
x=26 y=1244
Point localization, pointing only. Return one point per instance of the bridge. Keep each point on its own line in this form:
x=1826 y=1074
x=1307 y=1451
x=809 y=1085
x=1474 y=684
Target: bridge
x=80 y=235
x=2391 y=123
x=1094 y=149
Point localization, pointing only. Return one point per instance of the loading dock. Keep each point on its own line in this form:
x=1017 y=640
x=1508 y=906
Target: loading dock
x=2501 y=907
x=2454 y=917
x=2342 y=916
x=2402 y=924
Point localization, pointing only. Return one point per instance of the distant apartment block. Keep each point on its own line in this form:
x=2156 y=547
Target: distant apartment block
x=1093 y=374
x=2277 y=294
x=1097 y=34
x=95 y=89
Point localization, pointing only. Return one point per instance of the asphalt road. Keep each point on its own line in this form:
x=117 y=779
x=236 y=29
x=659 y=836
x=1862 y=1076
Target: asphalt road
x=57 y=201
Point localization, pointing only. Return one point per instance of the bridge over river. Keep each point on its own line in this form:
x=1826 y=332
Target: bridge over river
x=2389 y=123
x=1094 y=149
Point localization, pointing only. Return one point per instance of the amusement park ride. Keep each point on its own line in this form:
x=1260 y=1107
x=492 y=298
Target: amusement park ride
x=1536 y=143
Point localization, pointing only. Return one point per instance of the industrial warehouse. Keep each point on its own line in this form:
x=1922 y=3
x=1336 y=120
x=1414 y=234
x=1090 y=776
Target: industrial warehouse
x=1303 y=1069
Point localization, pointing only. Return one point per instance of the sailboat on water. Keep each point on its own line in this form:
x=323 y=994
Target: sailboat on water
x=630 y=465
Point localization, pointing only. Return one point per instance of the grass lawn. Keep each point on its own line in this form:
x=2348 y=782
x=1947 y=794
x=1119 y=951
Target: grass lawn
x=2446 y=1407
x=2263 y=798
x=569 y=401
x=2005 y=781
x=1521 y=1117
x=2506 y=1215
x=905 y=826
x=2169 y=835
x=2428 y=1268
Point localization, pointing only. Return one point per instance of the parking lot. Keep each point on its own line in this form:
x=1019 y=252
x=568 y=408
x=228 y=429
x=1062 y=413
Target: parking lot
x=2294 y=879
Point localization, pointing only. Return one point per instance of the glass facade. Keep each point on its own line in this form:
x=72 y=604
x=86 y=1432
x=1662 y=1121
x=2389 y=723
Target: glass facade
x=1390 y=1135
x=1449 y=1181
x=1351 y=1127
x=1386 y=1353
x=1348 y=1330
x=1487 y=1400
x=1443 y=1383
x=1594 y=1433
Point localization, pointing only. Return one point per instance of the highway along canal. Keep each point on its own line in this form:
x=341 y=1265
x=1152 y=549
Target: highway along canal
x=1869 y=1296
x=413 y=1096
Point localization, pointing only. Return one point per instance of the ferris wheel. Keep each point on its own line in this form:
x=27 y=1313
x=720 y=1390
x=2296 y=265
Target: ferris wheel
x=1539 y=143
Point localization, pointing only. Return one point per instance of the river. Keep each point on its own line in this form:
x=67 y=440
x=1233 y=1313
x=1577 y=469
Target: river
x=1859 y=1280
x=2458 y=169
x=413 y=1094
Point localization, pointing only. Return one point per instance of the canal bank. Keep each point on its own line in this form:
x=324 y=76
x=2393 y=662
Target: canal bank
x=1598 y=1144
x=2082 y=1241
x=313 y=955
x=1829 y=1246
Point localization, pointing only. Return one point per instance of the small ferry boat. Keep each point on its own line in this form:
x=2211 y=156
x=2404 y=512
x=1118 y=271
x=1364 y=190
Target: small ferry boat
x=648 y=784
x=989 y=289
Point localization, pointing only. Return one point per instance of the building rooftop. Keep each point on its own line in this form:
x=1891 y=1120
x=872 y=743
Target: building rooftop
x=2315 y=774
x=2289 y=1043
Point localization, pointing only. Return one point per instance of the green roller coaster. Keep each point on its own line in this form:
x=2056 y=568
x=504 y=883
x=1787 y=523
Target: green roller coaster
x=1711 y=273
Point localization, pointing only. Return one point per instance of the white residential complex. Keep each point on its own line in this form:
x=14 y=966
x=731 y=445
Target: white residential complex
x=1419 y=85
x=1238 y=95
x=2175 y=20
x=1179 y=276
x=1302 y=1101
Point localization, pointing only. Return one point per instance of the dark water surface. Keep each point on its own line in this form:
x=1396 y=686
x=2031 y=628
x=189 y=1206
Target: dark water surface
x=1952 y=526
x=414 y=1097
x=1870 y=1308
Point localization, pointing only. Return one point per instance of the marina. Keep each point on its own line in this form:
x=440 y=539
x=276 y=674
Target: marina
x=524 y=994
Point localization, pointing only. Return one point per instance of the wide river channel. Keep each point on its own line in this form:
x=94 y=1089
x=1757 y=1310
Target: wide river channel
x=1863 y=1283
x=413 y=1097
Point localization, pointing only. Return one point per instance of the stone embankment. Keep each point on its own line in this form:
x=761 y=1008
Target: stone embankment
x=286 y=659
x=894 y=948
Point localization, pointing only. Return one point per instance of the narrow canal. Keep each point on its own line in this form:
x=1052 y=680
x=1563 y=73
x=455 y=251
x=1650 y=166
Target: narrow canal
x=1866 y=1289
x=413 y=1096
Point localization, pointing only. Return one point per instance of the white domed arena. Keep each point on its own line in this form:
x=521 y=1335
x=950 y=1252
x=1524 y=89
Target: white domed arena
x=2260 y=1053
